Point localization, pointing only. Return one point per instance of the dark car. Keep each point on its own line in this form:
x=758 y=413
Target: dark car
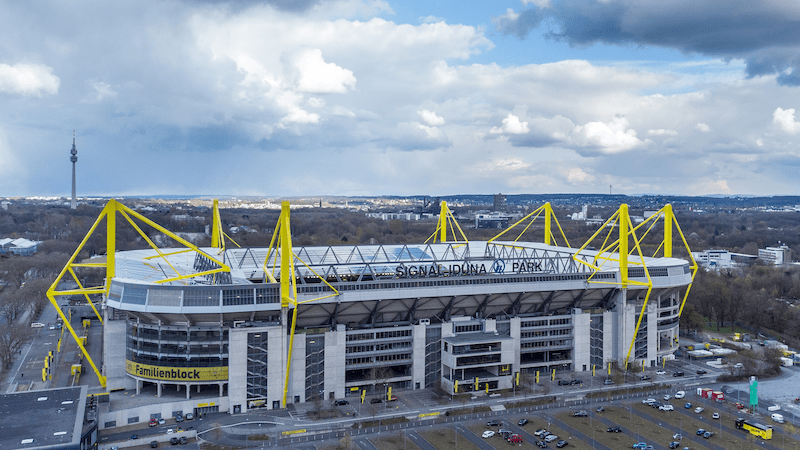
x=541 y=444
x=601 y=408
x=522 y=422
x=674 y=444
x=677 y=374
x=493 y=423
x=702 y=372
x=708 y=434
x=562 y=443
x=341 y=402
x=576 y=381
x=153 y=444
x=174 y=441
x=644 y=377
x=134 y=436
x=563 y=382
x=581 y=414
x=376 y=400
x=687 y=405
x=700 y=431
x=178 y=417
x=614 y=430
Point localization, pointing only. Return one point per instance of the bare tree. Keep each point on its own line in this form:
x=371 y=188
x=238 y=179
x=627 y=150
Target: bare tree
x=12 y=338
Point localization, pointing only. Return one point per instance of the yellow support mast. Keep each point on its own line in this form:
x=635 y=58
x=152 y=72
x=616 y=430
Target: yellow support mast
x=109 y=214
x=549 y=217
x=446 y=221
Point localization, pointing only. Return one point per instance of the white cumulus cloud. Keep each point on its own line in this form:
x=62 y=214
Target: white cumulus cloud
x=662 y=132
x=318 y=77
x=511 y=125
x=713 y=187
x=431 y=118
x=577 y=175
x=28 y=79
x=702 y=127
x=612 y=137
x=784 y=120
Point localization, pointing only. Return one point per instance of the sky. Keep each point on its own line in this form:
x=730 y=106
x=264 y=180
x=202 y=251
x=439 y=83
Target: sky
x=372 y=97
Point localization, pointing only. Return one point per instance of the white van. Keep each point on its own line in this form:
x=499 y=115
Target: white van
x=37 y=325
x=777 y=418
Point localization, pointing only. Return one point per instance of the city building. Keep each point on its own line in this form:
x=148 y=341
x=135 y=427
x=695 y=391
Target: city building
x=775 y=255
x=492 y=220
x=50 y=419
x=222 y=327
x=500 y=202
x=19 y=246
x=714 y=259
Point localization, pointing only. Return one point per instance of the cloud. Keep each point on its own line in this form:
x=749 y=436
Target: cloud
x=430 y=118
x=511 y=125
x=316 y=76
x=713 y=187
x=611 y=137
x=662 y=132
x=702 y=127
x=576 y=175
x=767 y=40
x=33 y=80
x=784 y=120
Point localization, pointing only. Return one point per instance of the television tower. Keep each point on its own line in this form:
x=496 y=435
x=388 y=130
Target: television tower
x=74 y=159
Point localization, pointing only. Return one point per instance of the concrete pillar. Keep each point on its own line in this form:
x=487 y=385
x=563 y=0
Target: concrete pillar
x=159 y=390
x=138 y=387
x=188 y=391
x=198 y=388
x=221 y=389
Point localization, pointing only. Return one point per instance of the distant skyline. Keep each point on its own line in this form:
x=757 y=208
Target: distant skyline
x=370 y=97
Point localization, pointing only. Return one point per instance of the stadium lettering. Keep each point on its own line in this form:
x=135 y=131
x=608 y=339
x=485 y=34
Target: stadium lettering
x=440 y=270
x=176 y=373
x=526 y=266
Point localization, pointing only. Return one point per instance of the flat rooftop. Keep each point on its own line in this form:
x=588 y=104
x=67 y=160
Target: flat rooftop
x=52 y=417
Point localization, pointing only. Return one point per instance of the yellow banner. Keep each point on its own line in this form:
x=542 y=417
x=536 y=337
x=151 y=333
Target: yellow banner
x=429 y=414
x=294 y=431
x=176 y=373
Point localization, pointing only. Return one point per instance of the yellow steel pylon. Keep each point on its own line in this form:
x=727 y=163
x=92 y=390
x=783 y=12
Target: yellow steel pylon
x=549 y=217
x=109 y=213
x=446 y=221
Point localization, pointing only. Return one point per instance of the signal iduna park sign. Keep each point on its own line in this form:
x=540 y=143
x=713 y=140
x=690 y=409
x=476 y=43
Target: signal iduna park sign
x=176 y=373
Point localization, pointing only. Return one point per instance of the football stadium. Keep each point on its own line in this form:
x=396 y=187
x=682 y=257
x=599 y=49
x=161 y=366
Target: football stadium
x=236 y=329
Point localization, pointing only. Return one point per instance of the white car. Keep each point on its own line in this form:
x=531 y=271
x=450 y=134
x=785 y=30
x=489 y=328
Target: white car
x=551 y=438
x=660 y=372
x=715 y=416
x=699 y=409
x=487 y=434
x=666 y=407
x=680 y=394
x=170 y=431
x=667 y=397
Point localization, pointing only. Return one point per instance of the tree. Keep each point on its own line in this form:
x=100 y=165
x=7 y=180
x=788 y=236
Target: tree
x=12 y=338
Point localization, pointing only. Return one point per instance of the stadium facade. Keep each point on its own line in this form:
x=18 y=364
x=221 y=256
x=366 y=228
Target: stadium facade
x=461 y=316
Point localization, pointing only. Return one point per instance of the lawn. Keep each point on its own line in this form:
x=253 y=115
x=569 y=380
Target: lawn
x=443 y=438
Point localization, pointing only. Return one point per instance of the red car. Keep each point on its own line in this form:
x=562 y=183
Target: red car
x=153 y=422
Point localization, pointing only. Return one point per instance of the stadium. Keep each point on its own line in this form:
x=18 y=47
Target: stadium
x=227 y=324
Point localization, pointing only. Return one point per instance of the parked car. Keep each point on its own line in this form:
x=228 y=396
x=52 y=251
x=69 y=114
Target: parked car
x=715 y=415
x=699 y=409
x=341 y=402
x=667 y=397
x=493 y=423
x=153 y=422
x=134 y=436
x=487 y=434
x=601 y=408
x=392 y=398
x=644 y=377
x=708 y=434
x=153 y=444
x=702 y=372
x=174 y=441
x=183 y=440
x=541 y=444
x=687 y=405
x=562 y=443
x=505 y=432
x=661 y=372
x=677 y=374
x=514 y=438
x=674 y=444
x=581 y=414
x=614 y=430
x=648 y=401
x=522 y=422
x=550 y=438
x=189 y=416
x=578 y=381
x=539 y=432
x=162 y=421
x=677 y=436
x=179 y=417
x=563 y=382
x=376 y=400
x=666 y=407
x=680 y=394
x=700 y=431
x=640 y=445
x=608 y=381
